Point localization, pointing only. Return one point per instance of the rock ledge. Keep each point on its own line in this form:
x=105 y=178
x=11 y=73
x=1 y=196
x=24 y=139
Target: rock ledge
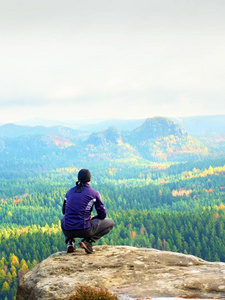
x=126 y=271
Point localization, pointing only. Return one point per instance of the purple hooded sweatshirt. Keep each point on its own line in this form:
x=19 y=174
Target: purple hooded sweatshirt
x=77 y=208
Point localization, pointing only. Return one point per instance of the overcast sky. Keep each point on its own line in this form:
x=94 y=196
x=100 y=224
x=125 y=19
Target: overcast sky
x=126 y=59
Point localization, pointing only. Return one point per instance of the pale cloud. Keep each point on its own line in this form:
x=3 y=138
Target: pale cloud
x=114 y=59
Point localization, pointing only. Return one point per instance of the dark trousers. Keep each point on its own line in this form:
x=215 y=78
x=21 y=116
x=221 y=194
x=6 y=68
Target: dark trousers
x=98 y=228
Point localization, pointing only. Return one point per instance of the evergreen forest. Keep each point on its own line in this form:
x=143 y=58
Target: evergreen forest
x=172 y=205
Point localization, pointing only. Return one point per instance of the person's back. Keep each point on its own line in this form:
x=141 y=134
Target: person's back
x=79 y=207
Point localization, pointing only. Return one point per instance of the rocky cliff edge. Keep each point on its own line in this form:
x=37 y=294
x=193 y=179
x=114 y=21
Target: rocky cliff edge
x=128 y=272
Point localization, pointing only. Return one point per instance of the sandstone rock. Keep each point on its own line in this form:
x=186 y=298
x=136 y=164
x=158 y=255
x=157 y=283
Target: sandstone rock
x=125 y=271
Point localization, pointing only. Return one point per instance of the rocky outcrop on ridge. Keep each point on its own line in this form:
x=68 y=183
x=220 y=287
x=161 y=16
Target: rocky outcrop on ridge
x=128 y=272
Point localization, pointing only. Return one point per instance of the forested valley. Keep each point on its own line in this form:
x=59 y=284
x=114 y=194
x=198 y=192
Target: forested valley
x=175 y=207
x=167 y=205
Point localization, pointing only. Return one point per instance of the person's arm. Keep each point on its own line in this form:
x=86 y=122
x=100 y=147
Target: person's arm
x=100 y=208
x=64 y=206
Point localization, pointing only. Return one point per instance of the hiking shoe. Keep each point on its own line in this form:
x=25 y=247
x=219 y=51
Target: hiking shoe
x=87 y=246
x=70 y=247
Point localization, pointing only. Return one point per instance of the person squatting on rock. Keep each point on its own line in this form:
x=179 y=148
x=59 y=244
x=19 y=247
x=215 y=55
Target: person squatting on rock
x=77 y=221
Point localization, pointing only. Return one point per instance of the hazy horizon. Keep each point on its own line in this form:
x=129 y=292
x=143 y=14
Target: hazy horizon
x=112 y=122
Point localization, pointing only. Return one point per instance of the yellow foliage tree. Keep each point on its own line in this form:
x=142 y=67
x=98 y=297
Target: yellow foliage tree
x=2 y=275
x=210 y=170
x=14 y=261
x=5 y=287
x=222 y=206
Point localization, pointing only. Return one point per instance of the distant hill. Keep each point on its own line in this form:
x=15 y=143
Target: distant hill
x=13 y=130
x=156 y=139
x=157 y=127
x=208 y=129
x=104 y=137
x=126 y=125
x=86 y=125
x=196 y=126
x=161 y=139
